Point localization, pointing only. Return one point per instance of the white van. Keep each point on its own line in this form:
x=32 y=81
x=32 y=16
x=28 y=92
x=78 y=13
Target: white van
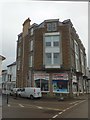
x=15 y=90
x=30 y=92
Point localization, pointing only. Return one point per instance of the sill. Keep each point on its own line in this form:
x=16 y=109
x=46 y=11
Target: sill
x=57 y=66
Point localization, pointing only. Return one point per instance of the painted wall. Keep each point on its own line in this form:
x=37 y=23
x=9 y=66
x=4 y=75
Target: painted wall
x=12 y=71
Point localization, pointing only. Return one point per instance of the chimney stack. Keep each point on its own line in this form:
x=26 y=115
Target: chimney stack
x=26 y=26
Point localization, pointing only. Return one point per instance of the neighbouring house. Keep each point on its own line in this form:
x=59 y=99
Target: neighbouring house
x=9 y=77
x=4 y=80
x=50 y=55
x=1 y=59
x=88 y=80
x=11 y=74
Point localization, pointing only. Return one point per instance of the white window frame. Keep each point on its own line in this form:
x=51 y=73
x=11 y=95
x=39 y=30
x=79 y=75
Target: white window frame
x=48 y=58
x=30 y=60
x=54 y=58
x=55 y=42
x=82 y=61
x=77 y=62
x=52 y=49
x=31 y=45
x=18 y=64
x=47 y=43
x=52 y=26
x=31 y=31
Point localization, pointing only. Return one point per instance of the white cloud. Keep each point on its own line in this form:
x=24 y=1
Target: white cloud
x=15 y=13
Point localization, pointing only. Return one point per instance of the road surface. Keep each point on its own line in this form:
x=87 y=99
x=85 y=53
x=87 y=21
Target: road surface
x=25 y=108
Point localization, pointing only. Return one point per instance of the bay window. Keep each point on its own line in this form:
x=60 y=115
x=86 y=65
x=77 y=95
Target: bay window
x=52 y=50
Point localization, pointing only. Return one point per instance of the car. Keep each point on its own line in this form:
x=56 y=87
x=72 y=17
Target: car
x=14 y=91
x=11 y=92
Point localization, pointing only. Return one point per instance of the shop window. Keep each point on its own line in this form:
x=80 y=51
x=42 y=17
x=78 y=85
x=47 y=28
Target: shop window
x=43 y=84
x=60 y=86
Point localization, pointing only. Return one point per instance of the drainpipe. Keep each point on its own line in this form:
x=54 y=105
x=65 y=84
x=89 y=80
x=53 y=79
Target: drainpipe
x=70 y=84
x=70 y=74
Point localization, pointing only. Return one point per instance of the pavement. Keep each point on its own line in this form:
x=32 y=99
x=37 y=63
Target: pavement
x=80 y=97
x=84 y=96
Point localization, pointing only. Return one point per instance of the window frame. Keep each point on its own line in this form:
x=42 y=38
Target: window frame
x=31 y=45
x=47 y=45
x=31 y=31
x=55 y=45
x=48 y=58
x=30 y=61
x=52 y=26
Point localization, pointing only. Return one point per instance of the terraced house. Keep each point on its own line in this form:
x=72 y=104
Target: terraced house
x=51 y=56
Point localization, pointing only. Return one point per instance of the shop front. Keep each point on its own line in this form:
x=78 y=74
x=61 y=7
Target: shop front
x=60 y=83
x=42 y=80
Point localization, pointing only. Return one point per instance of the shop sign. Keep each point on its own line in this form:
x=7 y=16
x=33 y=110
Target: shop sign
x=60 y=76
x=41 y=76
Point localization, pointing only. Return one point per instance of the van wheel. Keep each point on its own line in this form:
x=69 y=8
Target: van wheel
x=31 y=97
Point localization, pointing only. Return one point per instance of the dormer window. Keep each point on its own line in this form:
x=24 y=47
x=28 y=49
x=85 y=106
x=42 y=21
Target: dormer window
x=52 y=26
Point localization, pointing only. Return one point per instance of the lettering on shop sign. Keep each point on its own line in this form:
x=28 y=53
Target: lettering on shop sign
x=60 y=76
x=41 y=76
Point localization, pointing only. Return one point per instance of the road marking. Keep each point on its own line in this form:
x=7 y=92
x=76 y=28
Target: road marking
x=39 y=107
x=53 y=109
x=47 y=108
x=68 y=108
x=74 y=102
x=8 y=105
x=82 y=101
x=55 y=116
x=64 y=110
x=21 y=105
x=60 y=113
